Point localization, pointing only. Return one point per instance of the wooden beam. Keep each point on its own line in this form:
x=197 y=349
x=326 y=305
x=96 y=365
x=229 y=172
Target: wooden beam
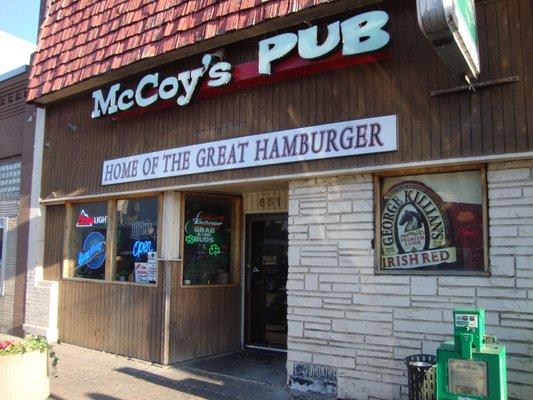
x=68 y=261
x=235 y=237
x=474 y=86
x=169 y=239
x=111 y=241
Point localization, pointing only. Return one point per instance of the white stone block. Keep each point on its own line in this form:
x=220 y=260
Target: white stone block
x=345 y=287
x=509 y=175
x=423 y=326
x=317 y=232
x=295 y=328
x=336 y=207
x=304 y=301
x=385 y=289
x=334 y=361
x=502 y=265
x=294 y=208
x=373 y=299
x=339 y=278
x=425 y=286
x=503 y=193
x=418 y=314
x=311 y=282
x=457 y=291
x=294 y=256
x=503 y=231
x=357 y=261
x=362 y=327
x=320 y=261
x=365 y=389
x=363 y=205
x=505 y=305
x=358 y=217
x=298 y=356
x=501 y=292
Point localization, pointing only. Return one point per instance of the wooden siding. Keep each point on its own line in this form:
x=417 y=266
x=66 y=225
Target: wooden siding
x=492 y=121
x=118 y=318
x=128 y=319
x=203 y=321
x=53 y=235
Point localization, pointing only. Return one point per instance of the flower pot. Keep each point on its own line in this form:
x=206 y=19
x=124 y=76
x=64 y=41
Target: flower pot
x=24 y=376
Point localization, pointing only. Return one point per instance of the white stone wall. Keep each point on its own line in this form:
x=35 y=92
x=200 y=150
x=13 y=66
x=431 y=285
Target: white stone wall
x=343 y=316
x=7 y=299
x=41 y=296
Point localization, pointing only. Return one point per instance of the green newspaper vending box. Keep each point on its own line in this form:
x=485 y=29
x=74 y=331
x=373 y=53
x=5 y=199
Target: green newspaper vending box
x=472 y=366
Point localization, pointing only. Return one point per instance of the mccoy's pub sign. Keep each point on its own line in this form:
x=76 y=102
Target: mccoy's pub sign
x=356 y=40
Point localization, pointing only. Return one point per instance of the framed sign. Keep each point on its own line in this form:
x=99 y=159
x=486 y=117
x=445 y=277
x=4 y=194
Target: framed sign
x=431 y=223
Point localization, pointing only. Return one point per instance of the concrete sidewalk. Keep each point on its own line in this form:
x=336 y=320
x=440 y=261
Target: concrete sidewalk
x=89 y=374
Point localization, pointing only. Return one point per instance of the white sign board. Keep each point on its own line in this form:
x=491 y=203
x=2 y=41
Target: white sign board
x=339 y=139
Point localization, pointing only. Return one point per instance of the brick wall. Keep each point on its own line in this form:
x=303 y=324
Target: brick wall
x=361 y=325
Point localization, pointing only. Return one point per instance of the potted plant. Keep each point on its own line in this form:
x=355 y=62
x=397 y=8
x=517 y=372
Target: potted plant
x=22 y=361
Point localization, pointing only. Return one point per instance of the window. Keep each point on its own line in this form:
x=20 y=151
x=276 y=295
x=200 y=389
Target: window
x=131 y=228
x=136 y=259
x=88 y=239
x=3 y=245
x=208 y=255
x=432 y=223
x=10 y=181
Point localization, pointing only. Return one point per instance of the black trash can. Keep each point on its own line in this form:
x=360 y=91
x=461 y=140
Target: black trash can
x=421 y=376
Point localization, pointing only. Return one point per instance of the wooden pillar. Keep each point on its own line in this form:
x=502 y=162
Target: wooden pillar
x=68 y=257
x=169 y=217
x=111 y=241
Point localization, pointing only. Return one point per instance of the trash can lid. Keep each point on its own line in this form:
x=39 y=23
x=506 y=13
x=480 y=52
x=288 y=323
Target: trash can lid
x=420 y=364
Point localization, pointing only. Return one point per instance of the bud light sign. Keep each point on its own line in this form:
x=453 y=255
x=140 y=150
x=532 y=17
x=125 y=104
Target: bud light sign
x=93 y=251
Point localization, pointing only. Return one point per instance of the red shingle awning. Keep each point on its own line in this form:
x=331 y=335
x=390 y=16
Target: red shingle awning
x=81 y=39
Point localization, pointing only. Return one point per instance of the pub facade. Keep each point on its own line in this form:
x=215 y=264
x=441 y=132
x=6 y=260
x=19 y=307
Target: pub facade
x=309 y=177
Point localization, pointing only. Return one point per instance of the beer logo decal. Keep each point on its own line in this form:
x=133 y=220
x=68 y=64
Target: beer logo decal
x=93 y=251
x=86 y=221
x=415 y=231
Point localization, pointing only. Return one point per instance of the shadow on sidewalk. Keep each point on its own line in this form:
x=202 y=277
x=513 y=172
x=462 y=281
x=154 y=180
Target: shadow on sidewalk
x=256 y=366
x=203 y=386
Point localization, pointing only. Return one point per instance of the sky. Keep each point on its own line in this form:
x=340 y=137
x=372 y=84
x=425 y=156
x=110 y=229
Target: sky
x=18 y=32
x=20 y=18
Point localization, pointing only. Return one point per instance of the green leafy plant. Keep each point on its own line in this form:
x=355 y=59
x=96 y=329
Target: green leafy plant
x=29 y=344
